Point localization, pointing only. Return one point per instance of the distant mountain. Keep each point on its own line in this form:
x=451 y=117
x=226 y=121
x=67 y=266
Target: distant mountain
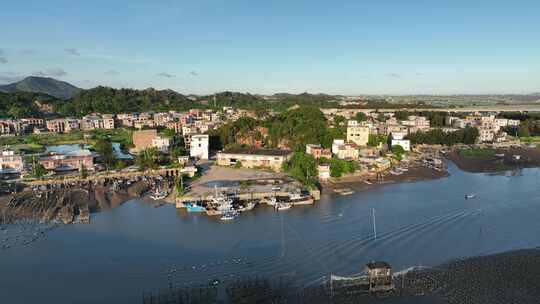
x=50 y=86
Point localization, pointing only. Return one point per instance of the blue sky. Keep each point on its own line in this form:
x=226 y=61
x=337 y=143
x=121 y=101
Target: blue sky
x=342 y=47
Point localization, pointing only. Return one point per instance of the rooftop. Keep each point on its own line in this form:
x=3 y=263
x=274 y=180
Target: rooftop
x=378 y=264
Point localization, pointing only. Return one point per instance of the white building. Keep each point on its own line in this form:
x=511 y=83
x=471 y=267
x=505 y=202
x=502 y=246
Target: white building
x=161 y=143
x=398 y=139
x=324 y=172
x=199 y=146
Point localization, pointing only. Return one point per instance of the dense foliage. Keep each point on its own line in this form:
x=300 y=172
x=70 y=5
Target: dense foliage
x=338 y=167
x=22 y=104
x=438 y=137
x=298 y=127
x=302 y=166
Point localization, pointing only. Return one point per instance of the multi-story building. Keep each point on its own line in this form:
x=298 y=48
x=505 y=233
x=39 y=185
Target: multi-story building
x=399 y=139
x=199 y=146
x=56 y=125
x=161 y=143
x=324 y=172
x=357 y=133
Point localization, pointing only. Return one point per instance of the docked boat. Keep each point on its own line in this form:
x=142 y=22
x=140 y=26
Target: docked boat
x=247 y=207
x=470 y=196
x=368 y=182
x=300 y=199
x=272 y=201
x=157 y=195
x=193 y=207
x=229 y=215
x=283 y=206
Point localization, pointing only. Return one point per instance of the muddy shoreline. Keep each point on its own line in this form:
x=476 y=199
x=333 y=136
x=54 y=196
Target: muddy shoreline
x=499 y=159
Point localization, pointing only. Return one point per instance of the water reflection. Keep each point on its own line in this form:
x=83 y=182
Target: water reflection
x=137 y=247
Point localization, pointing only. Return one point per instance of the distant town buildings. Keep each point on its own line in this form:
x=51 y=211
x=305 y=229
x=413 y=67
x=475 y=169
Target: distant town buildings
x=317 y=151
x=69 y=161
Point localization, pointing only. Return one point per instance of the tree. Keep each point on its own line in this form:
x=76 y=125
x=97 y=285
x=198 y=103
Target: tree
x=338 y=167
x=83 y=171
x=339 y=121
x=524 y=129
x=37 y=168
x=398 y=151
x=374 y=140
x=104 y=148
x=360 y=116
x=302 y=166
x=148 y=159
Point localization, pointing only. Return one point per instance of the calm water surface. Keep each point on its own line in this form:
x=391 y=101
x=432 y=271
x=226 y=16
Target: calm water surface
x=131 y=249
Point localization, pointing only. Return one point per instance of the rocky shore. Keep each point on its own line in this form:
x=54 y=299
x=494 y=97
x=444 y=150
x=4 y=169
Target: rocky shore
x=67 y=203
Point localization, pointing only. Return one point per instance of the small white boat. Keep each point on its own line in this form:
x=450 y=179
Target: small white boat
x=272 y=201
x=470 y=196
x=368 y=182
x=158 y=195
x=230 y=215
x=283 y=206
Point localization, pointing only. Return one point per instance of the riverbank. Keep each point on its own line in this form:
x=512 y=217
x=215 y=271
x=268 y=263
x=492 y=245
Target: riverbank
x=68 y=203
x=478 y=160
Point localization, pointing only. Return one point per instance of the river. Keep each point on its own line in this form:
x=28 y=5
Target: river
x=133 y=248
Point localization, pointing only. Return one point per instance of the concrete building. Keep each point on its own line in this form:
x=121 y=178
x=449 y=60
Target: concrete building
x=272 y=159
x=357 y=133
x=9 y=161
x=199 y=146
x=56 y=125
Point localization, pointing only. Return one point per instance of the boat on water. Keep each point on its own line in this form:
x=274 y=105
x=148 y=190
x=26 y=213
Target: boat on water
x=157 y=195
x=193 y=207
x=229 y=215
x=368 y=182
x=470 y=196
x=344 y=191
x=283 y=206
x=300 y=199
x=272 y=201
x=247 y=207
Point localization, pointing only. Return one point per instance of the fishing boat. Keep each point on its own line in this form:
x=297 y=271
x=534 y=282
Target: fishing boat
x=300 y=199
x=283 y=206
x=193 y=207
x=470 y=196
x=229 y=215
x=272 y=201
x=247 y=207
x=157 y=195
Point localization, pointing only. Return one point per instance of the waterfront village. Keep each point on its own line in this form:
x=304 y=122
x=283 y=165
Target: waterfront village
x=224 y=162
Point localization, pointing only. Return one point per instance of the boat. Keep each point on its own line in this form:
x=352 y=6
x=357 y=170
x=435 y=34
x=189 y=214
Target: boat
x=470 y=196
x=368 y=182
x=344 y=191
x=193 y=207
x=299 y=199
x=229 y=215
x=157 y=195
x=247 y=207
x=272 y=201
x=283 y=206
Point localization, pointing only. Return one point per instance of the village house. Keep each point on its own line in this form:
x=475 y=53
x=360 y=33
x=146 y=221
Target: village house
x=162 y=143
x=271 y=159
x=357 y=133
x=199 y=146
x=56 y=125
x=317 y=151
x=343 y=150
